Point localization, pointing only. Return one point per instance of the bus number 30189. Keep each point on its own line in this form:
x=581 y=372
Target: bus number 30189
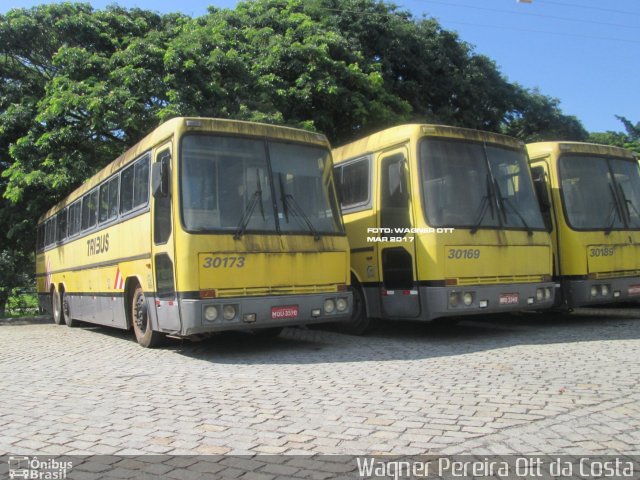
x=223 y=262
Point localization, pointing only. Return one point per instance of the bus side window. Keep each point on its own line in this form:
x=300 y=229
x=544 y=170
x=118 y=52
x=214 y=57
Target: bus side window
x=126 y=190
x=89 y=210
x=61 y=226
x=141 y=183
x=354 y=184
x=75 y=218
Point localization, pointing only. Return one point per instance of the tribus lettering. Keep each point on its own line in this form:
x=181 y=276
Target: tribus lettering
x=99 y=244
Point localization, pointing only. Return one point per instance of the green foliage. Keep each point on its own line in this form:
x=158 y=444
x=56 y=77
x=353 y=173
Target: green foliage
x=79 y=86
x=630 y=139
x=539 y=118
x=14 y=268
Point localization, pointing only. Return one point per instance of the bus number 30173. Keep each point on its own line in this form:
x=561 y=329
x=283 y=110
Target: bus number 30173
x=223 y=262
x=464 y=253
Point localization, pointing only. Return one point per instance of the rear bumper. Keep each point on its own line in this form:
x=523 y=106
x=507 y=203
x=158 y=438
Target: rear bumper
x=261 y=312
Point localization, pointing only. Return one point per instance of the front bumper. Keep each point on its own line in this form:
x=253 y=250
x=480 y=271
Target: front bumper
x=262 y=312
x=579 y=292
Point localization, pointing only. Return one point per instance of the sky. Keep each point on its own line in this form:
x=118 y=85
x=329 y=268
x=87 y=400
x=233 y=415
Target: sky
x=586 y=53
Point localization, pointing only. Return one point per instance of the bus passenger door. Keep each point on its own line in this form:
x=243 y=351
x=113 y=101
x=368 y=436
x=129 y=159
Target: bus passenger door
x=396 y=251
x=166 y=302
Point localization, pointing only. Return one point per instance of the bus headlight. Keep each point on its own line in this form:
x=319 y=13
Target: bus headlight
x=454 y=299
x=539 y=294
x=329 y=305
x=594 y=291
x=605 y=290
x=228 y=312
x=210 y=313
x=547 y=293
x=467 y=298
x=341 y=304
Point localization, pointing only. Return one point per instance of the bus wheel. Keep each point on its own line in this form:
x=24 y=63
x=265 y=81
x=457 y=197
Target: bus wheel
x=358 y=324
x=66 y=311
x=142 y=321
x=56 y=307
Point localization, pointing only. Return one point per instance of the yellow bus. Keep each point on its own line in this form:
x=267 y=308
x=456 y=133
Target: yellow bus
x=590 y=198
x=442 y=222
x=205 y=225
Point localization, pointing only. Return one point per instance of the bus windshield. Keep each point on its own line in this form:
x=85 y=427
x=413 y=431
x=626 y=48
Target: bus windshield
x=600 y=193
x=475 y=185
x=229 y=184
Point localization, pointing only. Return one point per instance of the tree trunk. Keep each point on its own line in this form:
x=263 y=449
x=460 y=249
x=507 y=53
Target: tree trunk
x=4 y=296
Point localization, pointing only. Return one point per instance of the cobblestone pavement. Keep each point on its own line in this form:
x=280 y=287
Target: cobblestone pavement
x=529 y=384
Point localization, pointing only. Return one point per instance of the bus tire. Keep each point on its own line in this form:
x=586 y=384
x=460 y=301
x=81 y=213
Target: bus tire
x=359 y=323
x=56 y=307
x=66 y=311
x=141 y=321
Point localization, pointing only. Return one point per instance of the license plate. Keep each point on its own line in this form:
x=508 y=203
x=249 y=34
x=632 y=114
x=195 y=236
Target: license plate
x=509 y=298
x=634 y=290
x=288 y=311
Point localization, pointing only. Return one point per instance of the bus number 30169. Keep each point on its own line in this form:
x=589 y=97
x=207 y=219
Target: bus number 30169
x=464 y=253
x=223 y=262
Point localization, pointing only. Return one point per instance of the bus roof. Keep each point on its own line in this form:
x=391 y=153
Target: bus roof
x=544 y=149
x=184 y=124
x=401 y=133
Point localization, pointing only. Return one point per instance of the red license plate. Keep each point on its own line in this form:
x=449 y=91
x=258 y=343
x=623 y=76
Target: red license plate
x=509 y=298
x=634 y=290
x=288 y=311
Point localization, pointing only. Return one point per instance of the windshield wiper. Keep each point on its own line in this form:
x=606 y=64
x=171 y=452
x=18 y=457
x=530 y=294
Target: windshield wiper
x=626 y=202
x=246 y=215
x=289 y=204
x=486 y=202
x=502 y=201
x=615 y=209
x=519 y=215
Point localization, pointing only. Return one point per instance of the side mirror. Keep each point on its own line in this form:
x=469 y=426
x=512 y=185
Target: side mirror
x=160 y=178
x=402 y=175
x=543 y=196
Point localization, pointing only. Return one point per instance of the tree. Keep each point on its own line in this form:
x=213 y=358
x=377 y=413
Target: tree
x=14 y=265
x=629 y=139
x=537 y=117
x=79 y=86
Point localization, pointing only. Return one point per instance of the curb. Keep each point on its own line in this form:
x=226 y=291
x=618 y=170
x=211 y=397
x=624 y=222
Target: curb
x=36 y=320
